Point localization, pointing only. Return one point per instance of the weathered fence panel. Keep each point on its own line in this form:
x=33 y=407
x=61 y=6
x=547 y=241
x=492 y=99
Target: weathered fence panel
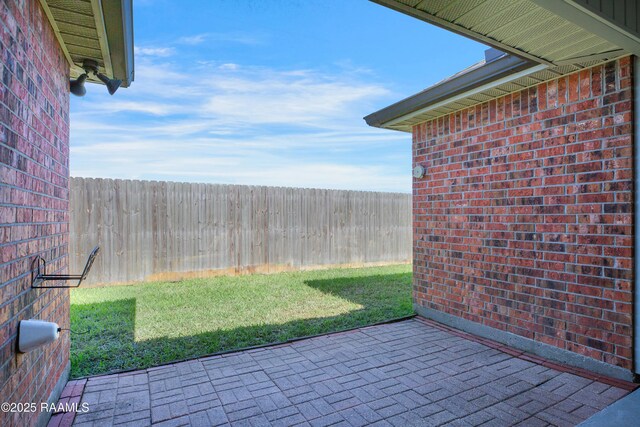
x=151 y=230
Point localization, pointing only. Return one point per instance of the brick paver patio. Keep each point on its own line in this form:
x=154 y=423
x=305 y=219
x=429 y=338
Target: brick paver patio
x=405 y=373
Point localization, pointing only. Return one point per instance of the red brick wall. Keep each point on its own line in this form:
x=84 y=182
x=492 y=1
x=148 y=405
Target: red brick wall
x=34 y=171
x=524 y=219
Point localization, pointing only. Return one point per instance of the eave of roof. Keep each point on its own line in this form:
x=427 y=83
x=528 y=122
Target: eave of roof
x=460 y=83
x=95 y=29
x=550 y=32
x=545 y=38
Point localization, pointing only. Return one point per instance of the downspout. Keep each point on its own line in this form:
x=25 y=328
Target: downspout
x=636 y=213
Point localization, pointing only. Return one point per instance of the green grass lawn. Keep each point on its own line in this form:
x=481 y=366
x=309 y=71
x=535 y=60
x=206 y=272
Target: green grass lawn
x=124 y=327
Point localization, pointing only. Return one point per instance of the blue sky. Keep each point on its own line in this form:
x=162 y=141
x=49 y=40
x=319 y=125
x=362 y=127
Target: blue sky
x=264 y=93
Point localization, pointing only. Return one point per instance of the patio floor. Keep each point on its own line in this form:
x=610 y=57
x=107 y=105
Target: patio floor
x=406 y=373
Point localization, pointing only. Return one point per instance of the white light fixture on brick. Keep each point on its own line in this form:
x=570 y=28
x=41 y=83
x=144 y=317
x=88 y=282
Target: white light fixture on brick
x=418 y=171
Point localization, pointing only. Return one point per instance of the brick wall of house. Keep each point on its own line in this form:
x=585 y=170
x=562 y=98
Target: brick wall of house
x=34 y=172
x=524 y=219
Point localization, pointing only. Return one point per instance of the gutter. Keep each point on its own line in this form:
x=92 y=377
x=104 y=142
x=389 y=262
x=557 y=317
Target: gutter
x=499 y=71
x=118 y=23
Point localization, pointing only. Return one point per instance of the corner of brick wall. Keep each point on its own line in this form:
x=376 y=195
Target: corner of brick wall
x=524 y=219
x=34 y=198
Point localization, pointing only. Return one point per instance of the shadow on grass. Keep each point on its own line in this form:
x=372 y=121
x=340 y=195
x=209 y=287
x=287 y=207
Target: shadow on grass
x=106 y=340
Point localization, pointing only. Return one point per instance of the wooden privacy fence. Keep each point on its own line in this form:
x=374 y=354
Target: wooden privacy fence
x=151 y=230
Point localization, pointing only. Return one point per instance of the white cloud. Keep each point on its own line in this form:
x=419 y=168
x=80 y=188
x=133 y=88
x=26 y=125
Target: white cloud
x=303 y=98
x=231 y=123
x=153 y=108
x=154 y=51
x=232 y=37
x=230 y=95
x=226 y=163
x=229 y=67
x=193 y=40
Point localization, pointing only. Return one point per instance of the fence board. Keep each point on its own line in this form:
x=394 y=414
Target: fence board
x=152 y=230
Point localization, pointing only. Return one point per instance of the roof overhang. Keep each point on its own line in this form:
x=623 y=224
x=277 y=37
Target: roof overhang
x=544 y=38
x=550 y=32
x=494 y=79
x=100 y=30
x=400 y=115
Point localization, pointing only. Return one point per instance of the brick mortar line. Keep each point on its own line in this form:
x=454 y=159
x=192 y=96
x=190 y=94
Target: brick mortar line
x=29 y=61
x=35 y=177
x=455 y=138
x=31 y=223
x=43 y=386
x=473 y=171
x=546 y=144
x=543 y=233
x=27 y=257
x=515 y=118
x=538 y=251
x=441 y=162
x=30 y=191
x=528 y=259
x=27 y=240
x=516 y=292
x=442 y=167
x=533 y=285
x=521 y=119
x=47 y=87
x=42 y=137
x=25 y=291
x=33 y=207
x=40 y=166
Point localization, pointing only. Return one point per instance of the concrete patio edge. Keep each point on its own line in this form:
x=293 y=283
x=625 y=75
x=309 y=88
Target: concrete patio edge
x=525 y=344
x=624 y=412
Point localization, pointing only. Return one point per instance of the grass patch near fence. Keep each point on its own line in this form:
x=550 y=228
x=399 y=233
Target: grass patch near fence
x=125 y=327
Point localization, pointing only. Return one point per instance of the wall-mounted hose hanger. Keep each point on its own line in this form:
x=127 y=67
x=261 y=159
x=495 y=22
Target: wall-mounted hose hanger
x=89 y=66
x=40 y=275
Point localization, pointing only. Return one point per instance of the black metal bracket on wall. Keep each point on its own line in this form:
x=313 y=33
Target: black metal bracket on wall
x=39 y=273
